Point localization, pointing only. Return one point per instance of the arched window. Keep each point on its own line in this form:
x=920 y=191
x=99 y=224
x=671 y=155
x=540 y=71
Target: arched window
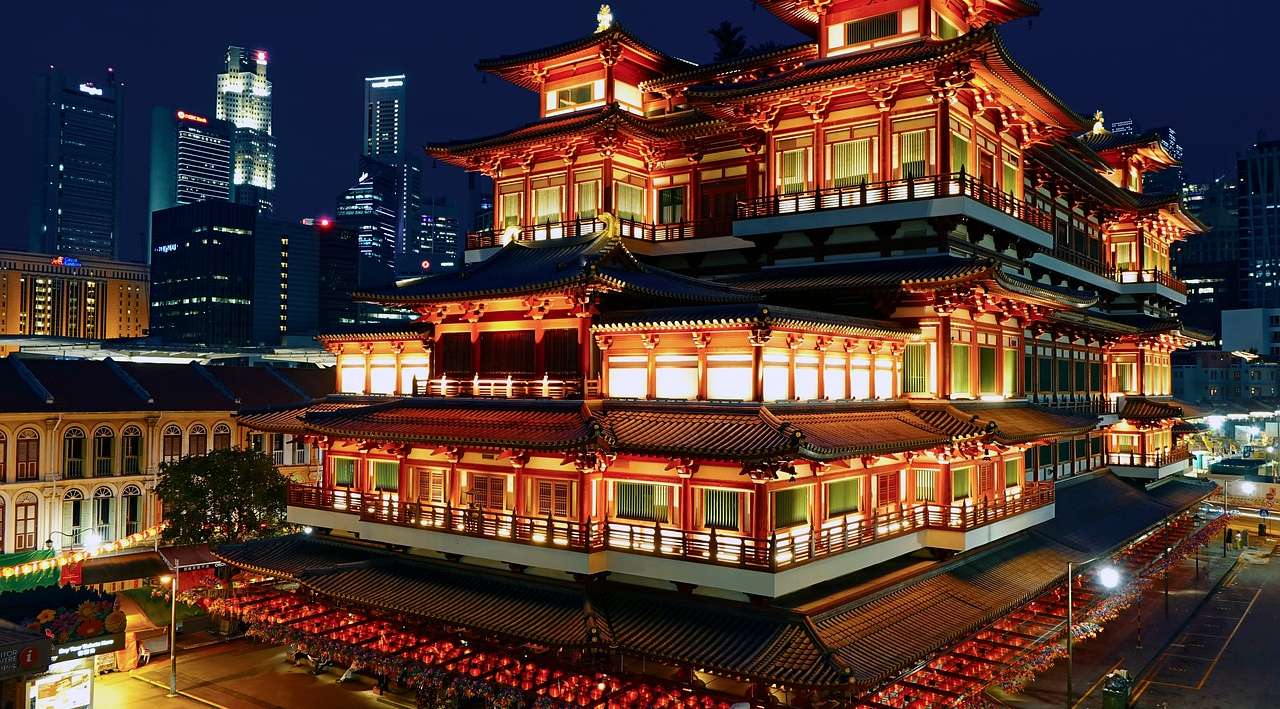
x=4 y=470
x=73 y=517
x=73 y=453
x=171 y=441
x=221 y=437
x=26 y=516
x=198 y=440
x=102 y=502
x=104 y=451
x=131 y=450
x=131 y=509
x=28 y=455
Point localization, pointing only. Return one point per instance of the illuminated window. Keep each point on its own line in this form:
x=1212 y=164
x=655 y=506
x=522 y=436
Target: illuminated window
x=431 y=486
x=671 y=209
x=351 y=376
x=844 y=497
x=587 y=199
x=913 y=154
x=915 y=368
x=776 y=376
x=806 y=376
x=884 y=378
x=834 y=382
x=729 y=377
x=987 y=370
x=1012 y=472
x=871 y=28
x=382 y=374
x=721 y=509
x=790 y=507
x=946 y=30
x=547 y=204
x=414 y=370
x=344 y=471
x=960 y=369
x=1010 y=372
x=630 y=201
x=643 y=502
x=103 y=451
x=851 y=163
x=677 y=376
x=795 y=170
x=626 y=380
x=131 y=450
x=961 y=483
x=221 y=437
x=552 y=498
x=860 y=373
x=960 y=152
x=386 y=475
x=575 y=96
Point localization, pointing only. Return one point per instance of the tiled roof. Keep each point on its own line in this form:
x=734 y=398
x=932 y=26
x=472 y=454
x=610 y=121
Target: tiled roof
x=489 y=423
x=1020 y=422
x=524 y=268
x=315 y=382
x=288 y=419
x=728 y=431
x=106 y=385
x=503 y=64
x=1097 y=514
x=288 y=556
x=740 y=314
x=863 y=274
x=802 y=52
x=405 y=329
x=803 y=17
x=841 y=430
x=1137 y=408
x=1102 y=142
x=1059 y=294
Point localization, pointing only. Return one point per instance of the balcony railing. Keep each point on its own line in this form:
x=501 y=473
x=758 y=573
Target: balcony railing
x=1093 y=406
x=780 y=550
x=1158 y=459
x=629 y=228
x=523 y=385
x=1075 y=258
x=1152 y=275
x=890 y=191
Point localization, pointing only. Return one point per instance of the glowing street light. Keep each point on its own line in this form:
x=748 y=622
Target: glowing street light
x=1248 y=488
x=1109 y=577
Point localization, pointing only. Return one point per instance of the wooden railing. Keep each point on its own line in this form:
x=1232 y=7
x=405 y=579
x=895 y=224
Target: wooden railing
x=521 y=385
x=780 y=550
x=1075 y=258
x=628 y=228
x=1091 y=406
x=1158 y=459
x=1152 y=275
x=864 y=194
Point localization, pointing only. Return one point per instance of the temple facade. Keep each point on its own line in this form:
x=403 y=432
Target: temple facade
x=770 y=329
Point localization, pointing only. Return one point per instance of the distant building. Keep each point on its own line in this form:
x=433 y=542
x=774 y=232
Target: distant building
x=76 y=210
x=480 y=197
x=441 y=237
x=1201 y=376
x=1209 y=263
x=224 y=275
x=190 y=159
x=339 y=255
x=68 y=296
x=1252 y=330
x=370 y=208
x=244 y=100
x=384 y=118
x=1258 y=203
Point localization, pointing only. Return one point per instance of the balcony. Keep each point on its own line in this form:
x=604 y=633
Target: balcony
x=1152 y=276
x=781 y=552
x=628 y=228
x=1152 y=466
x=901 y=191
x=518 y=385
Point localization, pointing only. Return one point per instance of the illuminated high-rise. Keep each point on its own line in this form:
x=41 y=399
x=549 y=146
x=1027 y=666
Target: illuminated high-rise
x=244 y=100
x=384 y=118
x=76 y=210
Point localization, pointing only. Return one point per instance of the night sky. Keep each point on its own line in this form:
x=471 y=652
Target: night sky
x=1204 y=68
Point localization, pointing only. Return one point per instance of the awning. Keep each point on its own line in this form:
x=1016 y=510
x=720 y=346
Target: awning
x=123 y=567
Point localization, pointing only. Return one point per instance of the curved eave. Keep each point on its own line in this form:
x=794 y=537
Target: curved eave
x=373 y=336
x=584 y=442
x=803 y=52
x=514 y=67
x=576 y=280
x=886 y=448
x=807 y=326
x=1053 y=297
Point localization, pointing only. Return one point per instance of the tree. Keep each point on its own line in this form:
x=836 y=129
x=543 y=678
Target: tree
x=225 y=497
x=729 y=41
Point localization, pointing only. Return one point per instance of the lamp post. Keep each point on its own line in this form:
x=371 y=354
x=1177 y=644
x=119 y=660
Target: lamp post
x=1109 y=577
x=173 y=629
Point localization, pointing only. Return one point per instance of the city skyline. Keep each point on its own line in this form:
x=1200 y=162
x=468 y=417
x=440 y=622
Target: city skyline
x=318 y=87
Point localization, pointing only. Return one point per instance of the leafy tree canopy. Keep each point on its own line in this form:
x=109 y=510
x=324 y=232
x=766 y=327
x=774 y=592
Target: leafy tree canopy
x=227 y=496
x=730 y=41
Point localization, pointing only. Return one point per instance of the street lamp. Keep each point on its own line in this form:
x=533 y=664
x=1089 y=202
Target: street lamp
x=171 y=580
x=1109 y=577
x=89 y=539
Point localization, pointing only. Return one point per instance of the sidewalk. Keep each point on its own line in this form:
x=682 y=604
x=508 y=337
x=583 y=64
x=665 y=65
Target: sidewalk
x=1117 y=646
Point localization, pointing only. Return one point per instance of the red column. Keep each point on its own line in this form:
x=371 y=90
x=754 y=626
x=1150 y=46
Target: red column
x=405 y=493
x=686 y=504
x=944 y=358
x=760 y=511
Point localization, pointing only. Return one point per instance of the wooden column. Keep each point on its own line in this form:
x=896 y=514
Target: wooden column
x=404 y=488
x=701 y=341
x=871 y=357
x=791 y=369
x=819 y=158
x=760 y=511
x=397 y=349
x=518 y=463
x=539 y=348
x=886 y=146
x=686 y=504
x=770 y=166
x=475 y=347
x=605 y=344
x=584 y=353
x=822 y=368
x=944 y=133
x=651 y=365
x=895 y=358
x=945 y=494
x=944 y=357
x=367 y=350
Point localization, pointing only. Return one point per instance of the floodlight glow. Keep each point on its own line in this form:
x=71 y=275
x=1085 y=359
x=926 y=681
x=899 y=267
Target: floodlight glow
x=1109 y=577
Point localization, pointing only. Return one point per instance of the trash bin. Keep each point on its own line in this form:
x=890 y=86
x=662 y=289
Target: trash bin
x=1116 y=689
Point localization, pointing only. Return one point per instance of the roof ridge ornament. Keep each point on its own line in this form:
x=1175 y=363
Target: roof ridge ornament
x=1099 y=125
x=604 y=18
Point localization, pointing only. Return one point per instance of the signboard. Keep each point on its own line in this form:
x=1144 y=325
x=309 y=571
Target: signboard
x=88 y=648
x=23 y=655
x=65 y=261
x=67 y=688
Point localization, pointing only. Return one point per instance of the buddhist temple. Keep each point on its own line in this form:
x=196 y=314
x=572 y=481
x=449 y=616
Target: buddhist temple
x=793 y=380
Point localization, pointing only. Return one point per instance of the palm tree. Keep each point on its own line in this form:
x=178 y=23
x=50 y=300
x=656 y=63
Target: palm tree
x=729 y=41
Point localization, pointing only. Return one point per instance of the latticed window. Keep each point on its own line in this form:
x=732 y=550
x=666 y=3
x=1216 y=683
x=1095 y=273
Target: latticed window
x=103 y=501
x=131 y=450
x=1012 y=474
x=642 y=501
x=587 y=199
x=510 y=206
x=844 y=497
x=987 y=370
x=913 y=153
x=671 y=205
x=103 y=451
x=887 y=489
x=915 y=368
x=574 y=96
x=431 y=486
x=961 y=483
x=851 y=163
x=720 y=509
x=1010 y=184
x=489 y=491
x=553 y=498
x=960 y=154
x=926 y=485
x=344 y=472
x=871 y=28
x=386 y=476
x=26 y=517
x=1064 y=452
x=790 y=507
x=1010 y=372
x=630 y=201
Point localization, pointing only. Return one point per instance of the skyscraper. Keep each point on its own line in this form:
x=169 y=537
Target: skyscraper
x=384 y=118
x=244 y=100
x=1209 y=263
x=370 y=208
x=190 y=159
x=76 y=211
x=440 y=235
x=1258 y=202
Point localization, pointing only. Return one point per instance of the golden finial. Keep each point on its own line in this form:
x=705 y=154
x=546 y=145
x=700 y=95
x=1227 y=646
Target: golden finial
x=1099 y=126
x=604 y=18
x=611 y=226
